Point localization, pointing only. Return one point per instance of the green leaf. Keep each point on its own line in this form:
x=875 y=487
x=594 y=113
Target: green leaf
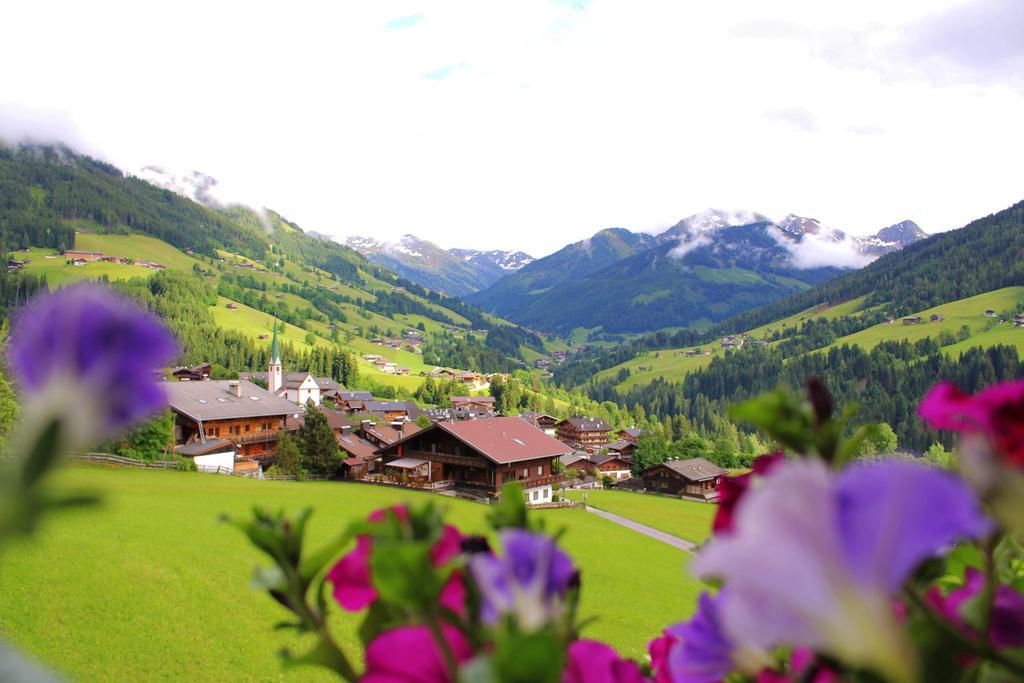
x=510 y=511
x=528 y=658
x=403 y=574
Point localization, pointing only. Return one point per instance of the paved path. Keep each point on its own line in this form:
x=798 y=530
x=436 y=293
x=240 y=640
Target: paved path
x=673 y=541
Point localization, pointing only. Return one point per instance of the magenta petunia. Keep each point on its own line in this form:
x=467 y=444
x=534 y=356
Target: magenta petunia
x=732 y=489
x=997 y=412
x=1007 y=621
x=352 y=579
x=91 y=356
x=659 y=649
x=411 y=655
x=589 y=661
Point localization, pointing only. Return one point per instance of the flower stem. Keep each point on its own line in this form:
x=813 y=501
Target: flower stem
x=446 y=652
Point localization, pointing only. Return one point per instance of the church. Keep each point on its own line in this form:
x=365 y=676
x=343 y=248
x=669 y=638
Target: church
x=297 y=387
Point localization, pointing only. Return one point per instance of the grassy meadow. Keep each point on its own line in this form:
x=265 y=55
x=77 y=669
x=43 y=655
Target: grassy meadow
x=150 y=586
x=687 y=519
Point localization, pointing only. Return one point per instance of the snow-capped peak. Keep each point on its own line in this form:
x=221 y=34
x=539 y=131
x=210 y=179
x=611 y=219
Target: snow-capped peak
x=708 y=221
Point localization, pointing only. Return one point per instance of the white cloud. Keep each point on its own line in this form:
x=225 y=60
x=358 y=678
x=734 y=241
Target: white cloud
x=561 y=118
x=821 y=250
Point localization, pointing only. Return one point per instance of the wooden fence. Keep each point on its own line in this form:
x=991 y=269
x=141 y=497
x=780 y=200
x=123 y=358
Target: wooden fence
x=121 y=461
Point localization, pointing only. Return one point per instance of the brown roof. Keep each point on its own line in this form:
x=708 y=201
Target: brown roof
x=589 y=424
x=356 y=447
x=602 y=459
x=462 y=400
x=503 y=439
x=694 y=469
x=215 y=400
x=389 y=434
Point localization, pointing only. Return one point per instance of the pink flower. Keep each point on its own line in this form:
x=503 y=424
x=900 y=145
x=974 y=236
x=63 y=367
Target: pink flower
x=659 y=649
x=589 y=661
x=353 y=584
x=410 y=654
x=997 y=412
x=353 y=580
x=732 y=489
x=1007 y=621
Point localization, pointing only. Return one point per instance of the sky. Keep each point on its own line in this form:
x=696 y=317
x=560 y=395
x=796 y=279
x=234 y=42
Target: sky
x=532 y=124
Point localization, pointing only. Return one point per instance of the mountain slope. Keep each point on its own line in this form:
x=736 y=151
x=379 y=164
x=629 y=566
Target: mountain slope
x=429 y=265
x=520 y=290
x=677 y=283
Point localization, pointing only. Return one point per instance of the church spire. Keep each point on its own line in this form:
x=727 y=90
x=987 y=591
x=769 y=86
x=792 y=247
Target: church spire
x=275 y=351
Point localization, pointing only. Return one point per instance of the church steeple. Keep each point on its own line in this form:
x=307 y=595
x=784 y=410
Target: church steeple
x=275 y=351
x=275 y=379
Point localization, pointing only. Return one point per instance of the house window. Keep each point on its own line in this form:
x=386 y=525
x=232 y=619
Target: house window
x=535 y=494
x=247 y=427
x=540 y=470
x=526 y=472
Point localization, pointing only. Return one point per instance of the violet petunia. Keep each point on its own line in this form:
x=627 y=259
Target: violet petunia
x=410 y=654
x=590 y=661
x=89 y=356
x=701 y=653
x=815 y=557
x=529 y=581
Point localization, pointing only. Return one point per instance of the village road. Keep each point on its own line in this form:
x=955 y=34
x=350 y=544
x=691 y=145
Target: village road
x=673 y=541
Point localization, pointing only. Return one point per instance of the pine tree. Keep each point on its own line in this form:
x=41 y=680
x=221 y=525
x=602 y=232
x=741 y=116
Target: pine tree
x=320 y=453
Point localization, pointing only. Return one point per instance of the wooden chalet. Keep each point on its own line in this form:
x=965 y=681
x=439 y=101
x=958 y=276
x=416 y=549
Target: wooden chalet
x=622 y=448
x=584 y=432
x=479 y=455
x=912 y=320
x=541 y=421
x=192 y=373
x=233 y=410
x=352 y=401
x=610 y=465
x=471 y=407
x=937 y=318
x=78 y=255
x=629 y=434
x=693 y=478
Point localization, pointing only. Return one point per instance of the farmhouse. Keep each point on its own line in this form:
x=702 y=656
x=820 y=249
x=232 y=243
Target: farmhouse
x=912 y=320
x=471 y=407
x=389 y=411
x=352 y=401
x=235 y=411
x=541 y=421
x=936 y=318
x=215 y=455
x=694 y=478
x=584 y=432
x=623 y=449
x=610 y=465
x=480 y=456
x=629 y=434
x=193 y=373
x=990 y=313
x=577 y=460
x=77 y=255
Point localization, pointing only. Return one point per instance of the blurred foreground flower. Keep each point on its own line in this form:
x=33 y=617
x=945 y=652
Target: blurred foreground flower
x=590 y=661
x=411 y=654
x=815 y=557
x=86 y=357
x=1006 y=624
x=529 y=582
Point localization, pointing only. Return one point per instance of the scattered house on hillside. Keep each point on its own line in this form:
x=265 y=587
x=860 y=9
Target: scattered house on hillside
x=482 y=455
x=693 y=352
x=694 y=478
x=298 y=387
x=936 y=318
x=79 y=255
x=192 y=373
x=542 y=421
x=731 y=342
x=586 y=433
x=473 y=407
x=990 y=313
x=264 y=335
x=232 y=305
x=912 y=320
x=888 y=320
x=233 y=410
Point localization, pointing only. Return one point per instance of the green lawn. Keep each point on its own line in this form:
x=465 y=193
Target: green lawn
x=686 y=519
x=150 y=586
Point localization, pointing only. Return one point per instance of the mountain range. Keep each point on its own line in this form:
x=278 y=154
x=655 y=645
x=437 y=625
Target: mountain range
x=457 y=272
x=705 y=268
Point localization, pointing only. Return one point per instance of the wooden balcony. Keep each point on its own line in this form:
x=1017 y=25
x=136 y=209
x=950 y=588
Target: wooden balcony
x=447 y=458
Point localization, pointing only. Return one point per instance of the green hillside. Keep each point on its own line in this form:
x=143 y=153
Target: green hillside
x=259 y=261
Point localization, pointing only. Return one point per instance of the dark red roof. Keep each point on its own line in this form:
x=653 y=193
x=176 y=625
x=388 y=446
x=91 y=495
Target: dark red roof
x=506 y=439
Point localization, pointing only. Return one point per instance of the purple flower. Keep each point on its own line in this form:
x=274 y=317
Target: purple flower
x=89 y=355
x=815 y=557
x=701 y=652
x=529 y=582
